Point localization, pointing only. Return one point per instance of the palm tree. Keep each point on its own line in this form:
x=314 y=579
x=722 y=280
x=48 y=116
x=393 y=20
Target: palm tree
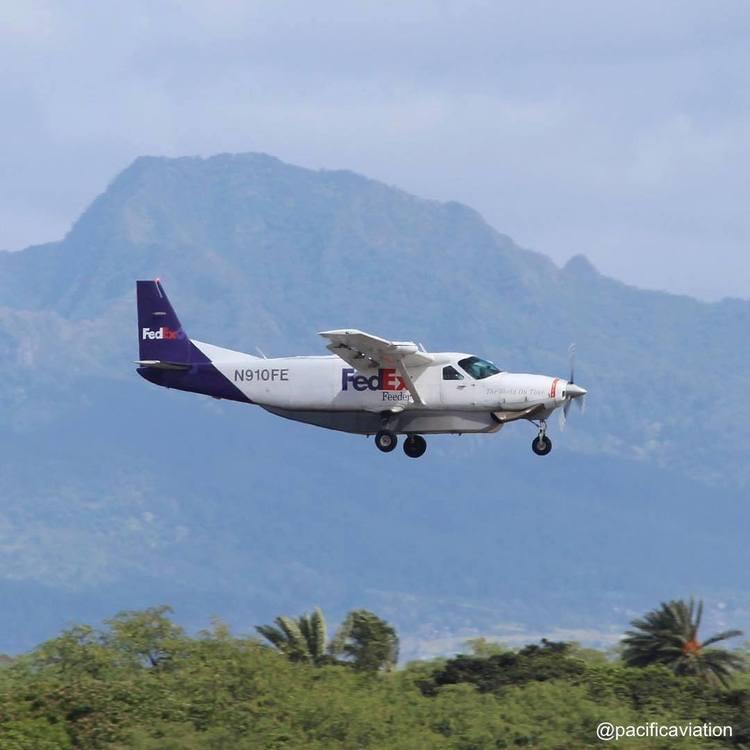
x=669 y=635
x=301 y=639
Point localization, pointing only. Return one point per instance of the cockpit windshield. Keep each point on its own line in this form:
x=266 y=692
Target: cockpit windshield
x=478 y=368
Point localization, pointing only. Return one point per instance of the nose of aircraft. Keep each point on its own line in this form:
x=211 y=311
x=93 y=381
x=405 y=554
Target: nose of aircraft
x=574 y=391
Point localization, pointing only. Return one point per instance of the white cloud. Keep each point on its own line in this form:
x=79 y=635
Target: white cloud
x=614 y=130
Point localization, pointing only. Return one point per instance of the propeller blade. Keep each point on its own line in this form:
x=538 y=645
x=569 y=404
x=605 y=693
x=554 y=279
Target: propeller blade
x=572 y=358
x=573 y=392
x=564 y=413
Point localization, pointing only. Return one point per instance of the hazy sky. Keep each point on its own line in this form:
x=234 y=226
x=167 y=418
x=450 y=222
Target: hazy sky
x=616 y=129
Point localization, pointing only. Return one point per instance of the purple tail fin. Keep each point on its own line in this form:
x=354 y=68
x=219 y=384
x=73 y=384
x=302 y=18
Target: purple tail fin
x=160 y=333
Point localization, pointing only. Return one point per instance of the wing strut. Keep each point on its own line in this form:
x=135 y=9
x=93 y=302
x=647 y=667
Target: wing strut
x=404 y=373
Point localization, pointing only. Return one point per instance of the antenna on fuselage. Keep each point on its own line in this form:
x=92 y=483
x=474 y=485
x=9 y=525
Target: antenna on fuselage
x=261 y=352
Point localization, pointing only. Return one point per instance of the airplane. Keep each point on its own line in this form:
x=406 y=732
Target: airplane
x=367 y=385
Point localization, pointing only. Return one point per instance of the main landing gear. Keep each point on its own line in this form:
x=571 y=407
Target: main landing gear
x=541 y=444
x=386 y=441
x=414 y=445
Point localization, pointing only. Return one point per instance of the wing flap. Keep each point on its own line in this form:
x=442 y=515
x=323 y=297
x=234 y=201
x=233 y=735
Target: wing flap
x=363 y=351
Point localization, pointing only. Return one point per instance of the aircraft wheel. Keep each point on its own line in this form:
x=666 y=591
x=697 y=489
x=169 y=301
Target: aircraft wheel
x=386 y=440
x=541 y=445
x=415 y=446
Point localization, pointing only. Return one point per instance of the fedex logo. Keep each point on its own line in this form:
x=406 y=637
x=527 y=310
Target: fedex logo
x=164 y=333
x=386 y=380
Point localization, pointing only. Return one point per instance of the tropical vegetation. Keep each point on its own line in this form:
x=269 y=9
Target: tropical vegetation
x=302 y=639
x=141 y=682
x=669 y=635
x=364 y=641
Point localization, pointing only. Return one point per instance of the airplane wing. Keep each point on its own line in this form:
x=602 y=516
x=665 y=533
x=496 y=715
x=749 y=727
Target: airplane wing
x=363 y=351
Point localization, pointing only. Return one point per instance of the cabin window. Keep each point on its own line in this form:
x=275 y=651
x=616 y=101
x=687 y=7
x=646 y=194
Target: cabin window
x=451 y=373
x=478 y=368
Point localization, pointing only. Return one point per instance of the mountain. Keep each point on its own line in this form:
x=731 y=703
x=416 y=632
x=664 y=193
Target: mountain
x=116 y=494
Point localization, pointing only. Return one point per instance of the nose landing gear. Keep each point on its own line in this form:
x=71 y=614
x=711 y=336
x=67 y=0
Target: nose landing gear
x=541 y=444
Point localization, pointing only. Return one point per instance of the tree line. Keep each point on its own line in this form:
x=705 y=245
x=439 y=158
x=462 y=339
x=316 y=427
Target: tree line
x=142 y=683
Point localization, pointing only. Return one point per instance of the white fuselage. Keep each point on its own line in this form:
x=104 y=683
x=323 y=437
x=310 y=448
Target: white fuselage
x=289 y=385
x=368 y=385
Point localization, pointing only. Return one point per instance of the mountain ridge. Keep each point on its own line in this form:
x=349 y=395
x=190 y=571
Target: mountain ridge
x=143 y=495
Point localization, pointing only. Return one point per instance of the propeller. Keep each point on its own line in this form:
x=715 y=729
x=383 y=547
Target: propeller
x=573 y=392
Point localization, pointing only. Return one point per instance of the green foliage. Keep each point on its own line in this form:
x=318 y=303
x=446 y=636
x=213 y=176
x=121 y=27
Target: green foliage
x=490 y=674
x=669 y=635
x=304 y=639
x=364 y=640
x=482 y=647
x=148 y=637
x=550 y=715
x=143 y=684
x=34 y=734
x=590 y=655
x=367 y=641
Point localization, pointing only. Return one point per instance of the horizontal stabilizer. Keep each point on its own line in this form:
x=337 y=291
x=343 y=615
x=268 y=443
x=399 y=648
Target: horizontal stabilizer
x=158 y=364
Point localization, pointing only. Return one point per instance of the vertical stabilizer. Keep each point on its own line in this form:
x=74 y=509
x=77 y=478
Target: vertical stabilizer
x=161 y=336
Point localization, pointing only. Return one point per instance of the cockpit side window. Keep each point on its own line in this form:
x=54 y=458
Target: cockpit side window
x=478 y=368
x=451 y=373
